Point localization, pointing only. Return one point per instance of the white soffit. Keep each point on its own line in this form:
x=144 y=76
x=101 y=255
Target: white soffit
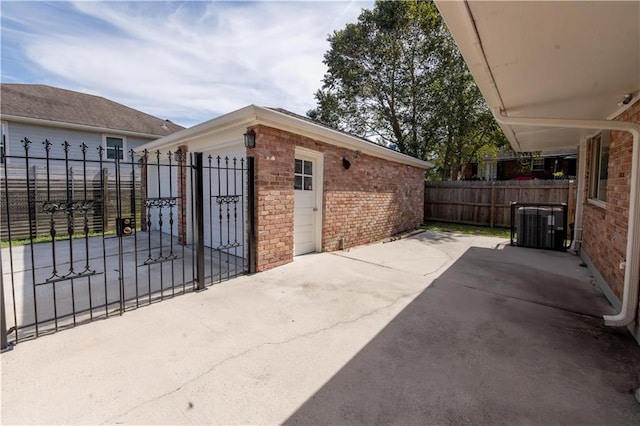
x=548 y=59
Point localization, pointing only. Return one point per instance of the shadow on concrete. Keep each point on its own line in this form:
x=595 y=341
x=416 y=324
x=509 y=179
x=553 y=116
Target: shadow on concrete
x=502 y=337
x=435 y=237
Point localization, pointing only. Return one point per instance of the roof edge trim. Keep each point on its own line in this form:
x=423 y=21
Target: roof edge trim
x=74 y=126
x=246 y=115
x=336 y=137
x=254 y=115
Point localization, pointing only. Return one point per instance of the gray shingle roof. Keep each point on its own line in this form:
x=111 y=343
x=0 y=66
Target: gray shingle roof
x=54 y=104
x=310 y=120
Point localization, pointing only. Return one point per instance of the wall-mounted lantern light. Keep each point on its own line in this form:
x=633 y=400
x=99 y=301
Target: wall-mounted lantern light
x=346 y=163
x=250 y=139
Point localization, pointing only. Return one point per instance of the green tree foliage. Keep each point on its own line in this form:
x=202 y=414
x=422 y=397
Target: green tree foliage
x=397 y=78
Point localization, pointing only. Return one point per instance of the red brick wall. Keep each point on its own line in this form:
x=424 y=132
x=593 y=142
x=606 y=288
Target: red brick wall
x=371 y=200
x=183 y=197
x=605 y=230
x=274 y=158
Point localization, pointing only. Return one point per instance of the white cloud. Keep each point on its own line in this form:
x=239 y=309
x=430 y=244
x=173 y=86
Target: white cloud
x=193 y=61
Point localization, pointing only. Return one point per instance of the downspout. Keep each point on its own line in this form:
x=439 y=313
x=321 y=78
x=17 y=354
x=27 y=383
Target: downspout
x=582 y=158
x=627 y=312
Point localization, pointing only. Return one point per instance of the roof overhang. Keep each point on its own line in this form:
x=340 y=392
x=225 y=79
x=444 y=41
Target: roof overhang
x=544 y=59
x=228 y=129
x=74 y=126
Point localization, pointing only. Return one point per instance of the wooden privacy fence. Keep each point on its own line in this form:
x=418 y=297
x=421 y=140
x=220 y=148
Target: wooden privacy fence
x=22 y=199
x=487 y=203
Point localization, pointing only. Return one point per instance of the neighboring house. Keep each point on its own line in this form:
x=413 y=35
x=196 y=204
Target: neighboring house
x=40 y=112
x=566 y=75
x=549 y=164
x=316 y=188
x=94 y=131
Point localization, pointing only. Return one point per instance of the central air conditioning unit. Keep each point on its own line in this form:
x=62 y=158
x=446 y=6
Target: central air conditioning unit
x=541 y=226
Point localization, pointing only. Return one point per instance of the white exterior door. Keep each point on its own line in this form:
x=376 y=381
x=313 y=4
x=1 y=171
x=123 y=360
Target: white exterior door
x=305 y=218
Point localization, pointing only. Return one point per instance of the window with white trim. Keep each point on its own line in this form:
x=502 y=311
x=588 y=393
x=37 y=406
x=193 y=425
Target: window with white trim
x=5 y=139
x=113 y=145
x=599 y=167
x=537 y=165
x=303 y=175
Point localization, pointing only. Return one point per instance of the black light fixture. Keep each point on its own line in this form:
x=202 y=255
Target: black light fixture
x=346 y=163
x=250 y=138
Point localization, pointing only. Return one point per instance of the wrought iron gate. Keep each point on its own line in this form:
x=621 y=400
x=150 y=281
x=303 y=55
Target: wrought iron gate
x=89 y=233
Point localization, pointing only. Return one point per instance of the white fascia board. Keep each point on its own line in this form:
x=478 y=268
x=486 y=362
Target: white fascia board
x=253 y=115
x=219 y=140
x=282 y=121
x=74 y=126
x=243 y=117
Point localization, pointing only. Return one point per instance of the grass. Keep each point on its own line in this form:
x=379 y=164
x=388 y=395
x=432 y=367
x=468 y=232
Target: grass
x=467 y=229
x=47 y=239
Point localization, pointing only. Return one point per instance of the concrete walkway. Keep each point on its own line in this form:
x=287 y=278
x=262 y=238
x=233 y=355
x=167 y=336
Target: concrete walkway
x=432 y=329
x=97 y=290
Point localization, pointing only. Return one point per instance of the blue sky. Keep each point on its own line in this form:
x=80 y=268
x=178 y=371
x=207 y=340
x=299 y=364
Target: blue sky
x=185 y=61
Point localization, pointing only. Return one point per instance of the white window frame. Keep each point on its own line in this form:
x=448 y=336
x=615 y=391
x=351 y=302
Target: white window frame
x=302 y=175
x=596 y=195
x=5 y=136
x=537 y=164
x=491 y=170
x=125 y=153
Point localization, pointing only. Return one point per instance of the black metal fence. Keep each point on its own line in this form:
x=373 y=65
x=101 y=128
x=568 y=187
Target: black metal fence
x=85 y=237
x=34 y=177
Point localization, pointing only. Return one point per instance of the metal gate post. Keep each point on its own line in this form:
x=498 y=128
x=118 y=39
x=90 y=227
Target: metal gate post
x=3 y=319
x=251 y=214
x=199 y=207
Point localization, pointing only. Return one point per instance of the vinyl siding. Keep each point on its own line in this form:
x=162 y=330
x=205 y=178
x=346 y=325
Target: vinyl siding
x=16 y=132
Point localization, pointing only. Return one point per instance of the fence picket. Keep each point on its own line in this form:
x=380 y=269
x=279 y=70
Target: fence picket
x=16 y=199
x=53 y=283
x=487 y=204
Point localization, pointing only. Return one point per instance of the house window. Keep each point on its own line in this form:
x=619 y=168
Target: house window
x=4 y=140
x=537 y=165
x=303 y=175
x=599 y=167
x=113 y=145
x=490 y=171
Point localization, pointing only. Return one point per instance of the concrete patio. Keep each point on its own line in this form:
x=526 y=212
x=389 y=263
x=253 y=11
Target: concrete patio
x=86 y=296
x=433 y=329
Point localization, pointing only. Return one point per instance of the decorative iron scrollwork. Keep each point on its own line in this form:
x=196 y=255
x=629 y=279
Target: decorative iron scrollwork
x=159 y=259
x=227 y=199
x=53 y=207
x=228 y=246
x=160 y=202
x=71 y=275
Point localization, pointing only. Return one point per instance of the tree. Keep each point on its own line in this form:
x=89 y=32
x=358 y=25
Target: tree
x=397 y=78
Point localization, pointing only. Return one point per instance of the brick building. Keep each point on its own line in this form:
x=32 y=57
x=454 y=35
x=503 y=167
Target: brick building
x=605 y=207
x=539 y=165
x=316 y=189
x=554 y=82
